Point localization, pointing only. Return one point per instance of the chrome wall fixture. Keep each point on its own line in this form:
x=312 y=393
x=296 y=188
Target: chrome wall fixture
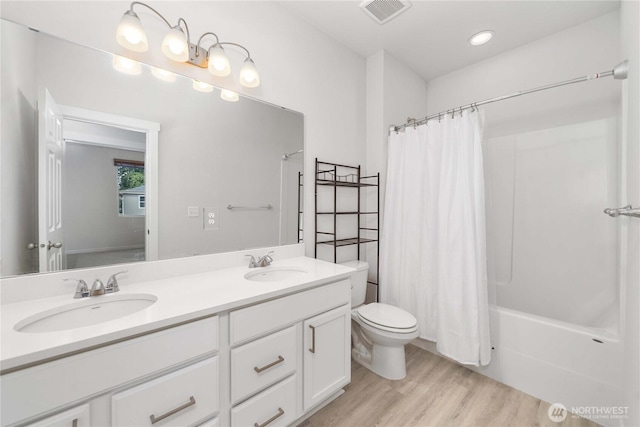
x=624 y=211
x=177 y=46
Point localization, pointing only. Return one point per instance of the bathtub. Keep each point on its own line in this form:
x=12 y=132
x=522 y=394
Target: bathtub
x=554 y=361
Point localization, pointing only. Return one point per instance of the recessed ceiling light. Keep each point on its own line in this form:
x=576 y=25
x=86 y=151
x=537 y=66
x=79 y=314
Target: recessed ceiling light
x=481 y=38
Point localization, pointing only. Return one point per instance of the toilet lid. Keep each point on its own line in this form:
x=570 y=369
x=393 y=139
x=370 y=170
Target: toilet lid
x=387 y=316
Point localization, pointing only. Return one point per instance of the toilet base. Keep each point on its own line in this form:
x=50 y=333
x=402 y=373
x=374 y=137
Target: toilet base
x=386 y=361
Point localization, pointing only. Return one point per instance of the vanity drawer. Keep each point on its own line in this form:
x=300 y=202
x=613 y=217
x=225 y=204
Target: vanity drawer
x=270 y=316
x=179 y=398
x=276 y=406
x=79 y=416
x=263 y=362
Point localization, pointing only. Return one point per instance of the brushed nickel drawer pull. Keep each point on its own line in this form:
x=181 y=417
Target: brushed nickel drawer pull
x=313 y=339
x=270 y=365
x=191 y=402
x=270 y=420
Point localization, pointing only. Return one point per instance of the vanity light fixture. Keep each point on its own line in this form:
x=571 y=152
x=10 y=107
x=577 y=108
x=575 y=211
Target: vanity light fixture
x=126 y=65
x=177 y=46
x=229 y=95
x=202 y=86
x=481 y=38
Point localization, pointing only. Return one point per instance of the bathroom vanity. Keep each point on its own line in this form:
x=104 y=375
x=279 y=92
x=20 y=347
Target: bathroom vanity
x=230 y=347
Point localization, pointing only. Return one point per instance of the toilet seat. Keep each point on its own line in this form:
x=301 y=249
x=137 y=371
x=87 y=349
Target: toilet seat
x=387 y=318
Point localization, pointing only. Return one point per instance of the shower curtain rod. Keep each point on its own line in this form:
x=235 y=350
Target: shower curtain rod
x=619 y=72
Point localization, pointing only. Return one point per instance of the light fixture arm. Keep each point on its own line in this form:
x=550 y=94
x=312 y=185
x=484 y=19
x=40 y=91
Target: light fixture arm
x=162 y=17
x=151 y=9
x=238 y=45
x=186 y=28
x=209 y=33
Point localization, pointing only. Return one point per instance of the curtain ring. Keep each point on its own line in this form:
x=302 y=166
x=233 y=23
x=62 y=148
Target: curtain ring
x=453 y=111
x=439 y=117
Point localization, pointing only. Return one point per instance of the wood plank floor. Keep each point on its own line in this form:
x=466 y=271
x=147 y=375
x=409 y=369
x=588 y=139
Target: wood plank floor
x=436 y=392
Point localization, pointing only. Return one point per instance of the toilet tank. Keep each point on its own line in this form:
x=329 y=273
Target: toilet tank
x=358 y=281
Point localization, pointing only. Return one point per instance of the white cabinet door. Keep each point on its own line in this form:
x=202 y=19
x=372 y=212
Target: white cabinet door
x=327 y=361
x=74 y=417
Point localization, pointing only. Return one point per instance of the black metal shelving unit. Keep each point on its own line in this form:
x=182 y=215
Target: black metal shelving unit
x=327 y=175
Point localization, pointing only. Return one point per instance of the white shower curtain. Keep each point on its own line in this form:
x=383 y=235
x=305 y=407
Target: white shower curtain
x=433 y=244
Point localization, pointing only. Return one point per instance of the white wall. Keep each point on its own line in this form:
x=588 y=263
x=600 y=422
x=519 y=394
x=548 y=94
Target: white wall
x=90 y=207
x=630 y=24
x=394 y=92
x=19 y=155
x=300 y=67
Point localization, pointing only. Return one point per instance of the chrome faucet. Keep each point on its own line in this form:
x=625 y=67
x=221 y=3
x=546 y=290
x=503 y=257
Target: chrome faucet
x=266 y=260
x=262 y=261
x=98 y=288
x=82 y=290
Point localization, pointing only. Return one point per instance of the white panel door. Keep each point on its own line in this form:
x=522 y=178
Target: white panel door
x=327 y=354
x=50 y=169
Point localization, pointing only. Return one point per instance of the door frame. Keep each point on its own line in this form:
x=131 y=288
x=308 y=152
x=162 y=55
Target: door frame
x=151 y=130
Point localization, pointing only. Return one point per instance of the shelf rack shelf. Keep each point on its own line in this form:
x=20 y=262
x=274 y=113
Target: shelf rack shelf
x=327 y=175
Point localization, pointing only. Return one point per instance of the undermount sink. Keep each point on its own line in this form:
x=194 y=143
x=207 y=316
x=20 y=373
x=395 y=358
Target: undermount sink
x=275 y=274
x=87 y=312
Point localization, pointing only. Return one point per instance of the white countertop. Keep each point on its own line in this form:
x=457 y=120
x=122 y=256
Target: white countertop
x=179 y=299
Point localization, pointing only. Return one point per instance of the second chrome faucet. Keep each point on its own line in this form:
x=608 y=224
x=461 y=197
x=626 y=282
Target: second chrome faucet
x=98 y=288
x=262 y=261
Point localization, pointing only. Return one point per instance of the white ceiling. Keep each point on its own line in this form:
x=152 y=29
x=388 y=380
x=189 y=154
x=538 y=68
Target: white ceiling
x=431 y=36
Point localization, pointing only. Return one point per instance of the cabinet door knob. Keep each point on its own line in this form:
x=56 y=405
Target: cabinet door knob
x=270 y=420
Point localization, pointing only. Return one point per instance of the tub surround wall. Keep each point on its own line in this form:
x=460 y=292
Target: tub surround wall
x=630 y=25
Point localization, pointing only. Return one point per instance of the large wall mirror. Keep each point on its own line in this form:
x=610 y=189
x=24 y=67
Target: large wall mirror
x=101 y=166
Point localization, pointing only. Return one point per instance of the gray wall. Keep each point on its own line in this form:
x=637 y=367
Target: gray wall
x=90 y=210
x=18 y=225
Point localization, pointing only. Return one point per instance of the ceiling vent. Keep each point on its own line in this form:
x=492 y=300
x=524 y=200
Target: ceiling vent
x=383 y=11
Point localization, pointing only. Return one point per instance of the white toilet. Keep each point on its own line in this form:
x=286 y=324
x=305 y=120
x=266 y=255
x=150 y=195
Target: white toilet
x=379 y=331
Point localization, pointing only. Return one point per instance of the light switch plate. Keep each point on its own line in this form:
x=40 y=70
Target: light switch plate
x=211 y=219
x=193 y=211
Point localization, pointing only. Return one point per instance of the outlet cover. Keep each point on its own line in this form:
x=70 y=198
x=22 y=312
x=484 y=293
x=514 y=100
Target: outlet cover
x=193 y=211
x=211 y=219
